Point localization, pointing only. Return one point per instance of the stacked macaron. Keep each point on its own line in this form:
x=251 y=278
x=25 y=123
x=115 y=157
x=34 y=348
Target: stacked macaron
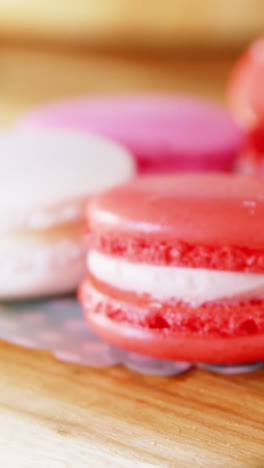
x=165 y=133
x=45 y=181
x=176 y=267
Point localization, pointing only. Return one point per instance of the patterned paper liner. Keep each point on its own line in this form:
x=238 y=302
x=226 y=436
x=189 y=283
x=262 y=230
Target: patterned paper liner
x=57 y=325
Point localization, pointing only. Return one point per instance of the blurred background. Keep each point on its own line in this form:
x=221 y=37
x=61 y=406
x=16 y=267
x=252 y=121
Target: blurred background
x=73 y=47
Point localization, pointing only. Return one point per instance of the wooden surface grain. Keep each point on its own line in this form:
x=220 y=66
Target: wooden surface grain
x=58 y=415
x=61 y=415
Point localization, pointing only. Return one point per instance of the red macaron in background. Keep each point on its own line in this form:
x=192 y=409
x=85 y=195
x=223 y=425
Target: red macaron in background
x=164 y=132
x=176 y=267
x=245 y=95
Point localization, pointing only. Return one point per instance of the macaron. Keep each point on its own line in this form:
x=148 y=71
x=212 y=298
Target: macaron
x=45 y=180
x=245 y=92
x=176 y=267
x=165 y=133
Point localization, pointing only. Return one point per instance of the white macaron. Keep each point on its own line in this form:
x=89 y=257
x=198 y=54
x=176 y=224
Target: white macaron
x=46 y=178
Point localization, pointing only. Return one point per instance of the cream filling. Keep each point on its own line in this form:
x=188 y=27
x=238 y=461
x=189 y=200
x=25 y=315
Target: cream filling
x=193 y=285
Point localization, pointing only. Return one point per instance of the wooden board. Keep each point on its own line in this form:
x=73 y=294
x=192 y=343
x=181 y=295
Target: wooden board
x=56 y=415
x=60 y=415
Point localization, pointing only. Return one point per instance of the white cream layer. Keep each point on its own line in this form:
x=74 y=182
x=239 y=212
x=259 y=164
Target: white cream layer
x=193 y=285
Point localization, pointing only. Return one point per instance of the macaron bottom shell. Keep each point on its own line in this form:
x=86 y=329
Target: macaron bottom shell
x=121 y=323
x=177 y=347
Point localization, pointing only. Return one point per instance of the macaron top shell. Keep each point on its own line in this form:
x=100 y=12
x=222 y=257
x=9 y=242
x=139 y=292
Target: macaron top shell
x=209 y=210
x=46 y=176
x=167 y=130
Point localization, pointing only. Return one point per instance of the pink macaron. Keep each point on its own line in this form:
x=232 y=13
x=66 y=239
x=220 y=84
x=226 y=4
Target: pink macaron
x=165 y=133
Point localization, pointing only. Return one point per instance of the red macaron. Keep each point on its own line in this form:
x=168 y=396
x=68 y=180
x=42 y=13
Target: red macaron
x=245 y=93
x=176 y=267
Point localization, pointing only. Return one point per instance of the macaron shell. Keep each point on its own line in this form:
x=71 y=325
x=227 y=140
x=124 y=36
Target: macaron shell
x=163 y=132
x=47 y=176
x=208 y=319
x=175 y=346
x=213 y=209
